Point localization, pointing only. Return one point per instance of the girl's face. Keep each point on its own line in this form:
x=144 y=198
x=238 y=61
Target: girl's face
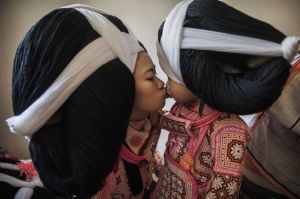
x=179 y=92
x=150 y=93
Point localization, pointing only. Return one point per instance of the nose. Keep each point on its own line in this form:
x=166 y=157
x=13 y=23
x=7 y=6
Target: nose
x=159 y=83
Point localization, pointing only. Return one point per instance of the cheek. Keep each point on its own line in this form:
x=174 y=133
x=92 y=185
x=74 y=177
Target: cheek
x=149 y=99
x=179 y=98
x=149 y=104
x=183 y=96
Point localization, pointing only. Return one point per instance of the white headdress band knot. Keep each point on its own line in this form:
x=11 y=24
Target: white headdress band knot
x=112 y=44
x=174 y=38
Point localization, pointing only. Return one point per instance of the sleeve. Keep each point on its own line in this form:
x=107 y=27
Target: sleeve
x=228 y=148
x=150 y=148
x=287 y=107
x=152 y=155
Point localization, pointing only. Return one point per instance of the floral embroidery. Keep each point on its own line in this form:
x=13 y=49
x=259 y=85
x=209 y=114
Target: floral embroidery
x=221 y=194
x=237 y=151
x=177 y=184
x=224 y=186
x=227 y=177
x=217 y=183
x=203 y=179
x=178 y=146
x=232 y=187
x=170 y=125
x=176 y=195
x=210 y=195
x=206 y=159
x=217 y=162
x=229 y=151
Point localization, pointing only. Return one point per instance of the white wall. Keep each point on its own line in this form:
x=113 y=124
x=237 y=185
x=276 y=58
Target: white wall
x=143 y=16
x=282 y=14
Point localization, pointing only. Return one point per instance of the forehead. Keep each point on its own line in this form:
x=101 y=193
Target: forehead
x=175 y=84
x=143 y=63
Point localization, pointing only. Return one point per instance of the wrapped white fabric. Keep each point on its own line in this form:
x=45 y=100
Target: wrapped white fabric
x=174 y=38
x=112 y=44
x=20 y=183
x=171 y=37
x=9 y=166
x=24 y=193
x=222 y=42
x=249 y=119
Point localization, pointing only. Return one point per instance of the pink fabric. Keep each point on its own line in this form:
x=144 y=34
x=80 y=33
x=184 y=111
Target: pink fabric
x=204 y=154
x=117 y=183
x=128 y=156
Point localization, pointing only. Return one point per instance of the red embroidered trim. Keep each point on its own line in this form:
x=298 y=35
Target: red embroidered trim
x=130 y=157
x=177 y=124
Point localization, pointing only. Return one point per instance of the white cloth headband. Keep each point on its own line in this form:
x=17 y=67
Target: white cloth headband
x=112 y=44
x=175 y=37
x=171 y=37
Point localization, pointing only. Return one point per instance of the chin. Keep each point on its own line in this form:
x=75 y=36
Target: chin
x=158 y=108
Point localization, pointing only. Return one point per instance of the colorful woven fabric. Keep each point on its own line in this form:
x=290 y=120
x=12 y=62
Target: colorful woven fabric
x=204 y=154
x=141 y=148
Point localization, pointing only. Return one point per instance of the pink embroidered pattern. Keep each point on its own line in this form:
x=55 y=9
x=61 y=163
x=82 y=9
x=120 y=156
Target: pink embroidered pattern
x=175 y=182
x=207 y=169
x=28 y=169
x=229 y=151
x=223 y=186
x=117 y=182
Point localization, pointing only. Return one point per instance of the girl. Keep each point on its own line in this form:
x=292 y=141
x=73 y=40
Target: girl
x=207 y=50
x=83 y=91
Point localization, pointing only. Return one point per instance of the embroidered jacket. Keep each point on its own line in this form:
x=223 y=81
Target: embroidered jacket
x=139 y=150
x=204 y=154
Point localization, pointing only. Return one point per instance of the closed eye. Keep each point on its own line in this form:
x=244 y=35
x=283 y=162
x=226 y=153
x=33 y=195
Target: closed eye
x=150 y=74
x=151 y=78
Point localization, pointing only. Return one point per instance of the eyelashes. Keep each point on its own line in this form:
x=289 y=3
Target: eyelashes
x=152 y=77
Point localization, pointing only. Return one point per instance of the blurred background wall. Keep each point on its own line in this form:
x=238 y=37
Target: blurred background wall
x=143 y=16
